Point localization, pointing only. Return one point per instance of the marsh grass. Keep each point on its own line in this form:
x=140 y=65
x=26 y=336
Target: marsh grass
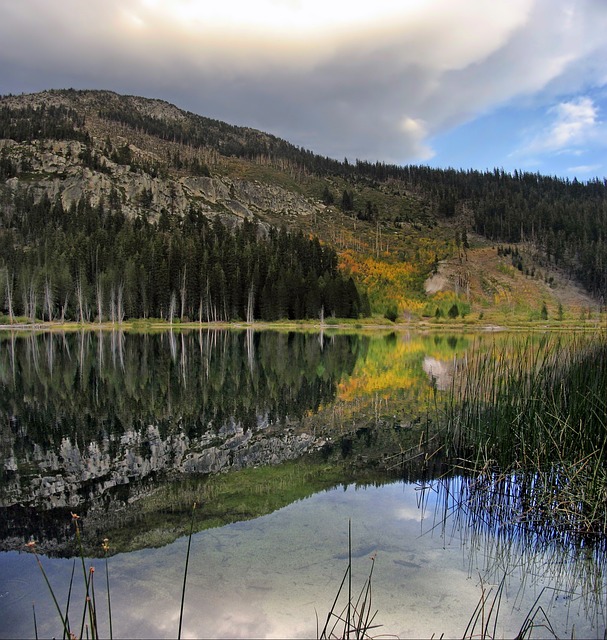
x=483 y=622
x=89 y=623
x=506 y=552
x=355 y=617
x=529 y=422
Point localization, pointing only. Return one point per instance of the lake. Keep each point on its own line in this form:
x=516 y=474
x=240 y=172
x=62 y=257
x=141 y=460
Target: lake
x=283 y=439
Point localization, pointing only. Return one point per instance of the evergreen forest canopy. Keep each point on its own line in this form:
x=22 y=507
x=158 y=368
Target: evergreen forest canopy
x=94 y=263
x=566 y=220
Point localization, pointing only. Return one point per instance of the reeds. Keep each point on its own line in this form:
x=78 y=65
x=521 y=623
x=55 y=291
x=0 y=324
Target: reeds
x=89 y=622
x=354 y=619
x=532 y=418
x=483 y=515
x=89 y=612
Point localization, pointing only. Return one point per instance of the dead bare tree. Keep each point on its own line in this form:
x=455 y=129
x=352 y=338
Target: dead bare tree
x=99 y=296
x=182 y=293
x=120 y=304
x=113 y=305
x=250 y=305
x=9 y=298
x=172 y=307
x=49 y=302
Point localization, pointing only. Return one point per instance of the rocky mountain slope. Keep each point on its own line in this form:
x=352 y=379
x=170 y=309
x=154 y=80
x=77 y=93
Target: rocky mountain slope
x=146 y=173
x=393 y=227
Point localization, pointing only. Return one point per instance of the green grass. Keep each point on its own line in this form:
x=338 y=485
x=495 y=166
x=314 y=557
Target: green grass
x=166 y=515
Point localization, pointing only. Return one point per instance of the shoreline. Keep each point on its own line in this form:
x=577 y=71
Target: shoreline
x=143 y=325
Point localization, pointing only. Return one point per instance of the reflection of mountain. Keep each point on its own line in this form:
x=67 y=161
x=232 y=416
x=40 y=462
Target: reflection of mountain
x=439 y=372
x=86 y=416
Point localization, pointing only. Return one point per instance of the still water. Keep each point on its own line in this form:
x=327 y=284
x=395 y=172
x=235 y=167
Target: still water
x=270 y=577
x=109 y=425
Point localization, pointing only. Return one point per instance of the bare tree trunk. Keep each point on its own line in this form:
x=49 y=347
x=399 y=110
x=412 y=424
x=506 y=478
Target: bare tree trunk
x=33 y=301
x=250 y=305
x=48 y=300
x=207 y=302
x=120 y=304
x=9 y=299
x=172 y=307
x=113 y=305
x=182 y=293
x=99 y=302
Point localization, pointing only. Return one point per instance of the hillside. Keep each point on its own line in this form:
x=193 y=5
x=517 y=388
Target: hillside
x=413 y=241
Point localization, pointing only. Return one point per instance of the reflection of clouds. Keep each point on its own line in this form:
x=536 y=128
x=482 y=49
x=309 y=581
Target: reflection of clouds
x=409 y=513
x=232 y=620
x=439 y=371
x=270 y=577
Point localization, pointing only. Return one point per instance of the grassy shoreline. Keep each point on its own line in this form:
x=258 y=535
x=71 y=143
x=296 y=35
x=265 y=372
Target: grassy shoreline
x=366 y=324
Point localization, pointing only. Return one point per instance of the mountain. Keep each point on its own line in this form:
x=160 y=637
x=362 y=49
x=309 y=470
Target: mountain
x=126 y=206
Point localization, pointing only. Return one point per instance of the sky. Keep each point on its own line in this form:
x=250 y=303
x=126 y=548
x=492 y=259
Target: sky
x=468 y=84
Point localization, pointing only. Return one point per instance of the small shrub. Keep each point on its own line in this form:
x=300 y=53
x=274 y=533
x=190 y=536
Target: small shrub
x=391 y=313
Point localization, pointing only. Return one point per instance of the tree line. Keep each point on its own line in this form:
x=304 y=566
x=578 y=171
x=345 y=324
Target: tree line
x=566 y=219
x=93 y=263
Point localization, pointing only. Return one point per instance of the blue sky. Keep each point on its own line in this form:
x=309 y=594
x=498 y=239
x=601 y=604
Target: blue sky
x=565 y=138
x=471 y=84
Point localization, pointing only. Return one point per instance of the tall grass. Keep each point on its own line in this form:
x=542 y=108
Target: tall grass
x=355 y=617
x=485 y=518
x=89 y=623
x=529 y=422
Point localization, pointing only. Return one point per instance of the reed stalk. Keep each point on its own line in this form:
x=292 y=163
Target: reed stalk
x=355 y=619
x=185 y=572
x=537 y=414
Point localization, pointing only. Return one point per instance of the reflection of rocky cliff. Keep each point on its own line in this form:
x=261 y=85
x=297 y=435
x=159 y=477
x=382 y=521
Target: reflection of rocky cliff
x=71 y=477
x=87 y=417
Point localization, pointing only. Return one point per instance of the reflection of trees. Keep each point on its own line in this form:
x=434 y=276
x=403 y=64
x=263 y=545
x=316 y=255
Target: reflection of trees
x=89 y=387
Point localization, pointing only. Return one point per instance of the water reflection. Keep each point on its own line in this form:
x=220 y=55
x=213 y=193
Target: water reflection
x=99 y=420
x=271 y=576
x=129 y=429
x=86 y=414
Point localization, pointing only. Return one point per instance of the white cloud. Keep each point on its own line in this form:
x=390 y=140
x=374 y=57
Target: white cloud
x=574 y=122
x=572 y=126
x=368 y=80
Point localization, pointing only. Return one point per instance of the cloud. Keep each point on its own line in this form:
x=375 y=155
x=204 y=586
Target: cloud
x=363 y=80
x=571 y=130
x=572 y=125
x=587 y=169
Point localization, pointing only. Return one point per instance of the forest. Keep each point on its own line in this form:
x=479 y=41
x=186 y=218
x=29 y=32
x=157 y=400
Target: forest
x=567 y=220
x=93 y=264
